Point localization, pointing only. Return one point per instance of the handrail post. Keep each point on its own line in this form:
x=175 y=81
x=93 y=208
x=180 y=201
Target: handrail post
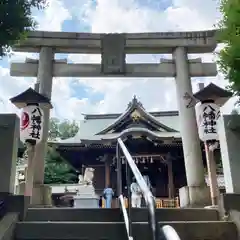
x=119 y=172
x=129 y=198
x=152 y=218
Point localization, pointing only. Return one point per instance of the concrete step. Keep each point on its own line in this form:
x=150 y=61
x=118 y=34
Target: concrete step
x=115 y=215
x=214 y=230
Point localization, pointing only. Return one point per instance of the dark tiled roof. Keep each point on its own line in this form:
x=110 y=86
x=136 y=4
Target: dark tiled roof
x=29 y=96
x=212 y=90
x=116 y=115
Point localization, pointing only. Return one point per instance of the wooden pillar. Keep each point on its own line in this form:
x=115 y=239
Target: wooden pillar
x=170 y=179
x=212 y=175
x=83 y=170
x=107 y=171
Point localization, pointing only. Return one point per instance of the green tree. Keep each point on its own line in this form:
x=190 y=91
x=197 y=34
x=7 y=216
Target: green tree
x=57 y=170
x=229 y=34
x=15 y=20
x=62 y=130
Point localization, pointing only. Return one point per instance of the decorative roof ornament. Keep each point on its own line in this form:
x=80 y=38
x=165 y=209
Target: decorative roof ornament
x=135 y=111
x=135 y=103
x=135 y=115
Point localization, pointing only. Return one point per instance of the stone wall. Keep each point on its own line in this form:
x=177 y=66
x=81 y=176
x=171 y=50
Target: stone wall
x=229 y=137
x=9 y=139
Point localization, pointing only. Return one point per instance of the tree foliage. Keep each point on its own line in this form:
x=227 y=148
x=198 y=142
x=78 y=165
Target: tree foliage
x=62 y=130
x=57 y=170
x=229 y=56
x=15 y=20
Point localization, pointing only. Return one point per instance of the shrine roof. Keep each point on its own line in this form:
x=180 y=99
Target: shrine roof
x=108 y=127
x=106 y=138
x=94 y=124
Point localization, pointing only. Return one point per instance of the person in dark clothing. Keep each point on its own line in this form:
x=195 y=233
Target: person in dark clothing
x=100 y=202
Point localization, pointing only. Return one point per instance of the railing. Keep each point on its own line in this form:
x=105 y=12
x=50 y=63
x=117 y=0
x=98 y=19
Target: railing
x=160 y=202
x=125 y=216
x=169 y=233
x=149 y=199
x=167 y=203
x=2 y=209
x=166 y=232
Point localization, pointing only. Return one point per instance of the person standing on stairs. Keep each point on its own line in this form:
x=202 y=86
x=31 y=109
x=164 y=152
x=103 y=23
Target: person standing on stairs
x=147 y=180
x=149 y=185
x=136 y=196
x=108 y=195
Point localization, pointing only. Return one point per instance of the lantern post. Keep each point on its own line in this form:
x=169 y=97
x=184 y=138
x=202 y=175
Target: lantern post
x=31 y=127
x=211 y=99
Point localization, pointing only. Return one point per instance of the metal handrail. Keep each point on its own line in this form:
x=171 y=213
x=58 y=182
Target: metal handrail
x=149 y=199
x=125 y=216
x=2 y=209
x=170 y=233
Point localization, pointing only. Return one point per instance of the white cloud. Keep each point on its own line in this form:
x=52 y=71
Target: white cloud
x=50 y=20
x=53 y=17
x=120 y=16
x=10 y=87
x=127 y=16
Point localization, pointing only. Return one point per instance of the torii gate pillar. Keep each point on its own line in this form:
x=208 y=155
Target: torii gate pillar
x=41 y=192
x=196 y=193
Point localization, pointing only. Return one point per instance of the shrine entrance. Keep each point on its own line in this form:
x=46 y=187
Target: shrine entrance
x=113 y=49
x=164 y=166
x=166 y=177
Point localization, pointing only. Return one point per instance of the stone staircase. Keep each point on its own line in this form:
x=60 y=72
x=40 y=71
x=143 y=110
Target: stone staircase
x=104 y=224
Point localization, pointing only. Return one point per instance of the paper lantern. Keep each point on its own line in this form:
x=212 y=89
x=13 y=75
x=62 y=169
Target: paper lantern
x=207 y=118
x=31 y=124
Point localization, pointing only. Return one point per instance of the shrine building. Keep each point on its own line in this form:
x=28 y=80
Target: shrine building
x=152 y=138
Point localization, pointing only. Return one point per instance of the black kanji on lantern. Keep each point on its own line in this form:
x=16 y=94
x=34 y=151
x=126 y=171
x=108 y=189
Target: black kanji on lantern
x=36 y=121
x=210 y=117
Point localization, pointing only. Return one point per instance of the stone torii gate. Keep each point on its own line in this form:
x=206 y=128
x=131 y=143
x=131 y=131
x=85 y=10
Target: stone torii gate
x=113 y=49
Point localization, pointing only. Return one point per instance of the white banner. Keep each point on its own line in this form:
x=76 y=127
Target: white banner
x=31 y=124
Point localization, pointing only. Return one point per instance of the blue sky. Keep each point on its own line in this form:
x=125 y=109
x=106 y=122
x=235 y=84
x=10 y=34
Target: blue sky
x=74 y=96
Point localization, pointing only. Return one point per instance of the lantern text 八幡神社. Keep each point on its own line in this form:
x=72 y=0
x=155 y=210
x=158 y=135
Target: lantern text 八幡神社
x=31 y=123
